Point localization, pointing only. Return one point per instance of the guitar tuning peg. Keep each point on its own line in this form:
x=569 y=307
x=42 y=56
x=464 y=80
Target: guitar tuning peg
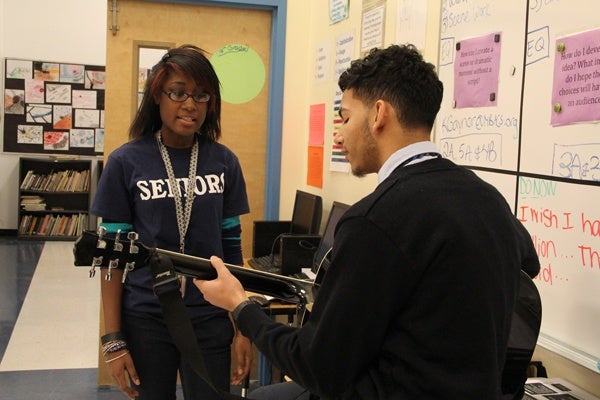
x=96 y=261
x=128 y=267
x=111 y=265
x=101 y=244
x=133 y=237
x=118 y=245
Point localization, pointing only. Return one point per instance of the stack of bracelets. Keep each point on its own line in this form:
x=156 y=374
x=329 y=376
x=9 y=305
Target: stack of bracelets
x=113 y=342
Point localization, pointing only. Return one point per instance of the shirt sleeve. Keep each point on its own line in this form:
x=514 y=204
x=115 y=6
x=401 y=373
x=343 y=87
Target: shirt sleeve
x=343 y=315
x=112 y=200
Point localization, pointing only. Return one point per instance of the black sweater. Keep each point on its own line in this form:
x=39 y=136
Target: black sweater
x=418 y=298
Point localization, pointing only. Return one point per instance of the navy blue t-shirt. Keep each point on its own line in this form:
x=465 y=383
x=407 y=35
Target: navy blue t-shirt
x=134 y=189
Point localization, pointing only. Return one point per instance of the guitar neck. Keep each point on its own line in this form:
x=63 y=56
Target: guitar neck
x=282 y=287
x=99 y=251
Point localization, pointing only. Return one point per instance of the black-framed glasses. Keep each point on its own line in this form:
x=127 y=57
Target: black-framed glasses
x=180 y=97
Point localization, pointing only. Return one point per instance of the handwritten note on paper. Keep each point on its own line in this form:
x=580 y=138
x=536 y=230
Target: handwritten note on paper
x=476 y=71
x=576 y=86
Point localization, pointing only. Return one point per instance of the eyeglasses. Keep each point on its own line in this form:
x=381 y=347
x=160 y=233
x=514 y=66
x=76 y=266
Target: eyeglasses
x=180 y=97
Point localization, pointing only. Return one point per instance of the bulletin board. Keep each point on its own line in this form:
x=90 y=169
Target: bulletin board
x=526 y=120
x=53 y=107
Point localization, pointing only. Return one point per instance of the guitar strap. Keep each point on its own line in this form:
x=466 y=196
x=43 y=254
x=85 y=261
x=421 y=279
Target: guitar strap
x=167 y=289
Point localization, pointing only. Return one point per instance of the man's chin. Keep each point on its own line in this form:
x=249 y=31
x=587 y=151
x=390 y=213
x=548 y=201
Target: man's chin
x=358 y=173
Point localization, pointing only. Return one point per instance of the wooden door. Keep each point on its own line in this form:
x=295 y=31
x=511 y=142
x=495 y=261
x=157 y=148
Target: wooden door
x=244 y=125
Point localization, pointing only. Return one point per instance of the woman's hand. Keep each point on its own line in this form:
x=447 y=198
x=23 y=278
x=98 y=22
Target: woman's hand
x=242 y=348
x=121 y=368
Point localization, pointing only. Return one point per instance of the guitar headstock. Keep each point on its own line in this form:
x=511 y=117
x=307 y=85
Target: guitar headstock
x=95 y=249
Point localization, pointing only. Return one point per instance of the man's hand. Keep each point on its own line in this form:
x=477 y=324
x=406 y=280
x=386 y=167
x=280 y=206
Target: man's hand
x=226 y=291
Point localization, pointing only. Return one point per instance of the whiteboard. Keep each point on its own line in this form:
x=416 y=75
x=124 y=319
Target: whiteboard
x=548 y=171
x=485 y=136
x=564 y=222
x=569 y=151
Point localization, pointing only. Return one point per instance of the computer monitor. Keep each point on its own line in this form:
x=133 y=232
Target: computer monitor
x=337 y=210
x=306 y=217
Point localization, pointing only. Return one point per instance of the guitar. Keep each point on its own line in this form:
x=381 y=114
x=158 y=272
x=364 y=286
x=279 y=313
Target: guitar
x=95 y=250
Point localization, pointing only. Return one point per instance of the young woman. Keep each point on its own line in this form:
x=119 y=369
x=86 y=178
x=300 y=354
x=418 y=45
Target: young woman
x=180 y=190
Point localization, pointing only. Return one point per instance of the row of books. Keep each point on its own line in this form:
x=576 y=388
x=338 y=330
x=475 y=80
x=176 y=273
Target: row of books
x=53 y=225
x=57 y=181
x=33 y=203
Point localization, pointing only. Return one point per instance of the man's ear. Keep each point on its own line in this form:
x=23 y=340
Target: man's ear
x=381 y=114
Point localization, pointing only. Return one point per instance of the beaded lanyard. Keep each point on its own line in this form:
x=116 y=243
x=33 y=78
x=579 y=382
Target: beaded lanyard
x=184 y=213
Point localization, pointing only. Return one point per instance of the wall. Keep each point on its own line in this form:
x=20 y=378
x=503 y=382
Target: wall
x=301 y=91
x=47 y=34
x=50 y=31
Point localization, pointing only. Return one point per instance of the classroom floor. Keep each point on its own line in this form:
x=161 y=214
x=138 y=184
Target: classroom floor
x=49 y=324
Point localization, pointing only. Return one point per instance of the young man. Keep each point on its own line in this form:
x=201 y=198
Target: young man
x=418 y=298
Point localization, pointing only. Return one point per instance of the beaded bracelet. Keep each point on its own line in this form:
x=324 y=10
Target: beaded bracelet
x=113 y=346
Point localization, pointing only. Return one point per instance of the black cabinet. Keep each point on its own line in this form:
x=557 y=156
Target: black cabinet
x=54 y=198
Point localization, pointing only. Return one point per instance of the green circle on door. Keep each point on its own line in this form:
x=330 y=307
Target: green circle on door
x=241 y=72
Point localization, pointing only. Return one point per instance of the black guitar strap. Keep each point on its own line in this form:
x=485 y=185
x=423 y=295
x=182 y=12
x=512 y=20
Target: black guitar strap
x=167 y=289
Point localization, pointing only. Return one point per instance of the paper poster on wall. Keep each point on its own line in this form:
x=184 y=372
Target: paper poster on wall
x=344 y=53
x=314 y=176
x=56 y=141
x=19 y=69
x=44 y=100
x=316 y=131
x=241 y=71
x=322 y=61
x=72 y=73
x=62 y=117
x=476 y=70
x=14 y=101
x=314 y=173
x=372 y=26
x=344 y=50
x=30 y=134
x=576 y=80
x=338 y=11
x=411 y=22
x=44 y=71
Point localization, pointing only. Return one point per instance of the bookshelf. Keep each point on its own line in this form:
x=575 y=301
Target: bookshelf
x=54 y=198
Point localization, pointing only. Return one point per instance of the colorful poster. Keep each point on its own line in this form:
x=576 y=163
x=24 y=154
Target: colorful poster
x=51 y=97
